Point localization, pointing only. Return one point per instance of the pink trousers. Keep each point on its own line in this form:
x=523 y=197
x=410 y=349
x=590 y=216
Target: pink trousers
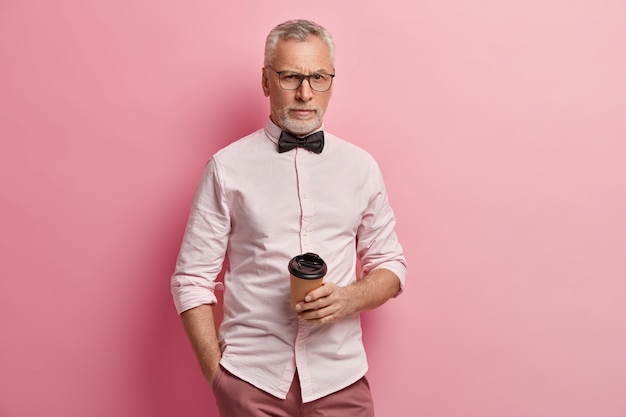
x=237 y=398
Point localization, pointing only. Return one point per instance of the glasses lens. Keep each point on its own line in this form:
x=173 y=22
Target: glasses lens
x=320 y=82
x=290 y=80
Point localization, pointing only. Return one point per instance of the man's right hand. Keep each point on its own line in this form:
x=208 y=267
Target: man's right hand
x=210 y=371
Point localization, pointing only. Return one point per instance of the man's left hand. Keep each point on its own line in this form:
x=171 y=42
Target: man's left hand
x=326 y=304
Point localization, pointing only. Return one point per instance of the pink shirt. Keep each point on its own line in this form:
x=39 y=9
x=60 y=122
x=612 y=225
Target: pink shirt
x=259 y=208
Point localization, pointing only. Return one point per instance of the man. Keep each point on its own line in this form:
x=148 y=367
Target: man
x=264 y=199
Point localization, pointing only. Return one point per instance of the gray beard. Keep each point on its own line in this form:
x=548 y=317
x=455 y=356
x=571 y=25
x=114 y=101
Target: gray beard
x=299 y=127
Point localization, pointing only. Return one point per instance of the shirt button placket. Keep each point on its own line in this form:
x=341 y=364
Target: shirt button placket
x=306 y=207
x=305 y=200
x=301 y=355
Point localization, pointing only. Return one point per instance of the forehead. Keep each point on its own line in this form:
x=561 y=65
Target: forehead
x=302 y=56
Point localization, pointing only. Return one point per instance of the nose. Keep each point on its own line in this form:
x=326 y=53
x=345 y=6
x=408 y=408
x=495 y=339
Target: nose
x=304 y=92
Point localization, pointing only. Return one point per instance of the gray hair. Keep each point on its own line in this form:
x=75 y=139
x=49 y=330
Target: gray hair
x=299 y=30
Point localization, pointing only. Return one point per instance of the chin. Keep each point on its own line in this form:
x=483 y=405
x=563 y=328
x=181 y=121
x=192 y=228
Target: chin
x=300 y=128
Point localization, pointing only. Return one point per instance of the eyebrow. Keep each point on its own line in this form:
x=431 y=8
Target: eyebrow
x=319 y=71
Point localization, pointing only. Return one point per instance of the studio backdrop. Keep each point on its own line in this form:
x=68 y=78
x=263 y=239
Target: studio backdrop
x=500 y=129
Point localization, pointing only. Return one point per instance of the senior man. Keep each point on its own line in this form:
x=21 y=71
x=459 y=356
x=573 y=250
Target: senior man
x=289 y=188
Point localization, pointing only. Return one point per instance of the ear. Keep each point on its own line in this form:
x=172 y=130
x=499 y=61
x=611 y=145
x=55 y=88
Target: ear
x=265 y=82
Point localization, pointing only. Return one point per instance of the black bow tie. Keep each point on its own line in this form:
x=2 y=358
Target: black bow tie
x=314 y=142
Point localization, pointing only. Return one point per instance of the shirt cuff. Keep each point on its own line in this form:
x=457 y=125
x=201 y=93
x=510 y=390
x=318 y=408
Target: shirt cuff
x=187 y=294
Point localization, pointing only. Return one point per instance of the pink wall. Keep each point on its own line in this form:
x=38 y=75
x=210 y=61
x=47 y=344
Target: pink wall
x=500 y=127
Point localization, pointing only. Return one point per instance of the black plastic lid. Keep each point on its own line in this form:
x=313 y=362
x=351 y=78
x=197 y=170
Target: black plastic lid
x=307 y=266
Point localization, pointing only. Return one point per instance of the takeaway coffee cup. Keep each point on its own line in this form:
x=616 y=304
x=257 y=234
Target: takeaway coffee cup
x=307 y=273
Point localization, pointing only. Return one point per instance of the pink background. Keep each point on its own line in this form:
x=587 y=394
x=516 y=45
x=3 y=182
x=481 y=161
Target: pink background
x=499 y=125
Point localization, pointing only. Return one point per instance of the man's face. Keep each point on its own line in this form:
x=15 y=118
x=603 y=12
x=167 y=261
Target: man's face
x=298 y=111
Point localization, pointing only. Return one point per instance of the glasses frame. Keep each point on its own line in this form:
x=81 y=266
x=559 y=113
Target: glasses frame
x=302 y=78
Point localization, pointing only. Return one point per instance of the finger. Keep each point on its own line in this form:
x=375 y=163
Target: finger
x=317 y=314
x=317 y=318
x=312 y=305
x=324 y=291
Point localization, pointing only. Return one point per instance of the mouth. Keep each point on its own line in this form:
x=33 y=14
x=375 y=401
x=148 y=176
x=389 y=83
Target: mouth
x=302 y=113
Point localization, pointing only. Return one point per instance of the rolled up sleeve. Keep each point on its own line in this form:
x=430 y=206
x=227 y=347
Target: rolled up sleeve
x=204 y=245
x=377 y=245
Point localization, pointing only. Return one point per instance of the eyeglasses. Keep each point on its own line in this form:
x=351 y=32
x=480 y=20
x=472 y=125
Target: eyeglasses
x=289 y=80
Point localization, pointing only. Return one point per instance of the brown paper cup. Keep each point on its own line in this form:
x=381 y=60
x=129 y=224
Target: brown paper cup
x=307 y=273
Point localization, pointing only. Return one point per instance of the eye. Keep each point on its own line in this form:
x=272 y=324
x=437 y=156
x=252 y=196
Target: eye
x=321 y=77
